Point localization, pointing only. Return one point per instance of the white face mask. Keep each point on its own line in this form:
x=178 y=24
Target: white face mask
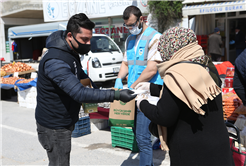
x=136 y=30
x=236 y=33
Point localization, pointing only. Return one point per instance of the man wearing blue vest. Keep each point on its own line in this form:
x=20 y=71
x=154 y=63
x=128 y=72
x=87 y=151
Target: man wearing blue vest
x=139 y=62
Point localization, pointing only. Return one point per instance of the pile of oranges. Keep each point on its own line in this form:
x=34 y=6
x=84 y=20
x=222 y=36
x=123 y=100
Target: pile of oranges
x=230 y=103
x=16 y=67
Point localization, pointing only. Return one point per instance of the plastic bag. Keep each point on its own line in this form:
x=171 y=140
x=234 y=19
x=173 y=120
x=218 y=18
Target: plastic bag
x=24 y=86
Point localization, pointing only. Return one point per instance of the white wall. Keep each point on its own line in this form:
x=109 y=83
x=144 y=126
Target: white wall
x=2 y=41
x=185 y=22
x=21 y=21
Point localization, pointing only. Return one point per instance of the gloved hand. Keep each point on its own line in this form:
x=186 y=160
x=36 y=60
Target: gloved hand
x=241 y=109
x=118 y=84
x=232 y=42
x=143 y=86
x=124 y=95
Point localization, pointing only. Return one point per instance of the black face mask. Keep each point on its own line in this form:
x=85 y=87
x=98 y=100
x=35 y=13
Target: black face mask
x=83 y=48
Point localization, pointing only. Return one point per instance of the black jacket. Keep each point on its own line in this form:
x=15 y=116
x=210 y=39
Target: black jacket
x=59 y=91
x=192 y=139
x=240 y=40
x=239 y=80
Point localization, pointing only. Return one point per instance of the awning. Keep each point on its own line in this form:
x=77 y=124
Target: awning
x=36 y=30
x=212 y=8
x=196 y=1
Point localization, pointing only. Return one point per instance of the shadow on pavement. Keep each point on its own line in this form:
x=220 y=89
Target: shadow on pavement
x=133 y=159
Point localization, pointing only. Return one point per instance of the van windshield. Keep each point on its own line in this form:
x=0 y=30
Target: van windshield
x=102 y=44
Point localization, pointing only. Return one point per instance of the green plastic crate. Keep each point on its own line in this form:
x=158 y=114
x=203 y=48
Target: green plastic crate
x=124 y=137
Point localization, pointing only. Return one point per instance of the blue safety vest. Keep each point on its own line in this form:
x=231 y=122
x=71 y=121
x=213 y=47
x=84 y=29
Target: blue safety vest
x=137 y=62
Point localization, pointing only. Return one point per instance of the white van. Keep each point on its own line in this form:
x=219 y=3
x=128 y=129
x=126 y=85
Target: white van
x=101 y=64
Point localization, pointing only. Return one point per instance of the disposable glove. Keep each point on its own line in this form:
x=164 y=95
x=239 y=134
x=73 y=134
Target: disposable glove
x=118 y=84
x=143 y=86
x=124 y=95
x=232 y=42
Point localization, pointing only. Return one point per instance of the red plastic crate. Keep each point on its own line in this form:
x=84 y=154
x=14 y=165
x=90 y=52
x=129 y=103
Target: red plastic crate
x=202 y=39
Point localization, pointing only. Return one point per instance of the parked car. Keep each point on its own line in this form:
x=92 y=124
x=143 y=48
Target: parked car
x=103 y=62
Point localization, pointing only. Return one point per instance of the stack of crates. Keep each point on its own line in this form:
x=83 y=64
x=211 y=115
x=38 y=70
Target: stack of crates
x=82 y=127
x=202 y=41
x=27 y=98
x=124 y=137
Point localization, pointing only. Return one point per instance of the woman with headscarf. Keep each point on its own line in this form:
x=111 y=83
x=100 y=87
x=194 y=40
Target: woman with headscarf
x=190 y=104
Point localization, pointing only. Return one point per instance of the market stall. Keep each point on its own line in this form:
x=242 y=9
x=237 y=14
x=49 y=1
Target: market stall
x=14 y=75
x=233 y=109
x=229 y=97
x=17 y=67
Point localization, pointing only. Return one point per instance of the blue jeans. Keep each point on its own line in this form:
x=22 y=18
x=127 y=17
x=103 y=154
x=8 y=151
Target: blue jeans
x=143 y=137
x=57 y=144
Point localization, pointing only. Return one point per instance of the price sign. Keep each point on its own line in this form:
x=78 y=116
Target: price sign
x=16 y=74
x=33 y=75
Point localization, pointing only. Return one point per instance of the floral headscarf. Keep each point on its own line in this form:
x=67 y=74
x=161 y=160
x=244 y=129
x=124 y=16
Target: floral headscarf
x=176 y=38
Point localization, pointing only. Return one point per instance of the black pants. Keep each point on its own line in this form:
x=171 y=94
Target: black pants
x=216 y=57
x=239 y=51
x=57 y=144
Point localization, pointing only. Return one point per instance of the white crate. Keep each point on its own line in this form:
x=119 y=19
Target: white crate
x=27 y=98
x=21 y=95
x=34 y=100
x=31 y=105
x=22 y=103
x=33 y=89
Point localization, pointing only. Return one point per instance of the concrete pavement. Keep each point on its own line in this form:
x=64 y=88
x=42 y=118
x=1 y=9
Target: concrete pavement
x=20 y=144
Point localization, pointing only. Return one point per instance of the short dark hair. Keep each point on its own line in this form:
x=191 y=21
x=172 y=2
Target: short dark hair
x=131 y=10
x=77 y=21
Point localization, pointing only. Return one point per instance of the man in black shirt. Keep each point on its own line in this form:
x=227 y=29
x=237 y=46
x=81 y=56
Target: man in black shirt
x=239 y=41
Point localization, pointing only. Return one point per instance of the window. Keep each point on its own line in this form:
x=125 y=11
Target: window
x=242 y=12
x=231 y=14
x=102 y=44
x=217 y=15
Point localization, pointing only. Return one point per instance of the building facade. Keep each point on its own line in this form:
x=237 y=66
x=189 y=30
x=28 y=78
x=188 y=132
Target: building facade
x=107 y=16
x=204 y=15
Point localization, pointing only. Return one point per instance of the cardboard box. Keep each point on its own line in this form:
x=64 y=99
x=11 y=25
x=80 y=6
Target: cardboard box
x=88 y=107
